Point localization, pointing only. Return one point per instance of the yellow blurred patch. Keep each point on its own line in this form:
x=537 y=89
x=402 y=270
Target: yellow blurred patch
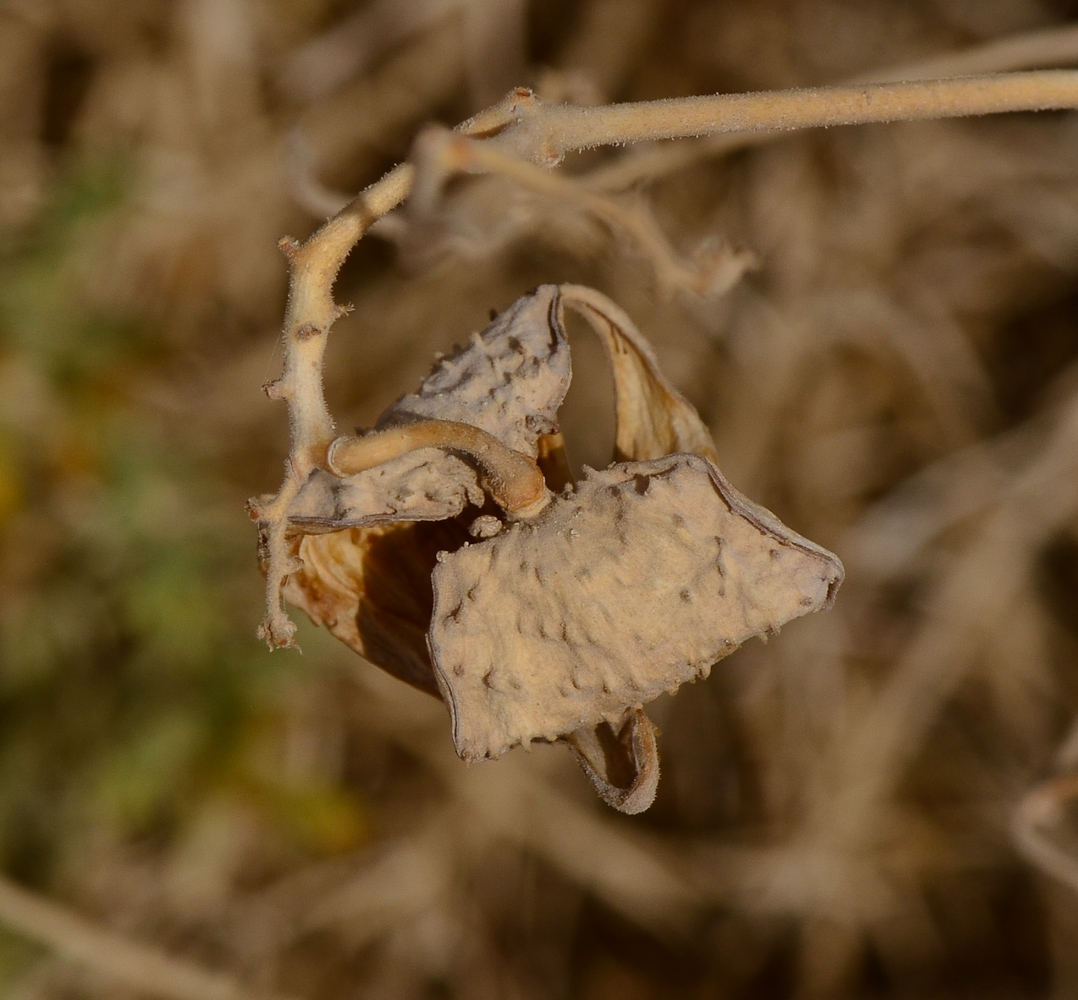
x=323 y=820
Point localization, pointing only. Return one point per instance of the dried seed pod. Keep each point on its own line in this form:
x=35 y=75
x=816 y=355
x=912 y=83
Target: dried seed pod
x=570 y=612
x=637 y=581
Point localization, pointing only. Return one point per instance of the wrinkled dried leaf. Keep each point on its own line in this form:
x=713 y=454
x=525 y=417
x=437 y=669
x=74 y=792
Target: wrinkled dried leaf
x=652 y=419
x=637 y=581
x=371 y=588
x=425 y=485
x=370 y=584
x=509 y=381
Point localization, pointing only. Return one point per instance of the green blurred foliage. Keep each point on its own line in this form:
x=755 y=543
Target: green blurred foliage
x=129 y=698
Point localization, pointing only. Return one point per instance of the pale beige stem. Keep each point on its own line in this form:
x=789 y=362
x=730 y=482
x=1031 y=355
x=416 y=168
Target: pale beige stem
x=512 y=479
x=136 y=966
x=546 y=133
x=310 y=314
x=523 y=127
x=1049 y=48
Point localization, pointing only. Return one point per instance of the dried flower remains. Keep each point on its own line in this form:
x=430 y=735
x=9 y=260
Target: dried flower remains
x=450 y=547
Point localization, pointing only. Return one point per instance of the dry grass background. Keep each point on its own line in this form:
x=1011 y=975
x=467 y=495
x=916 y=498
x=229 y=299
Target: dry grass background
x=874 y=804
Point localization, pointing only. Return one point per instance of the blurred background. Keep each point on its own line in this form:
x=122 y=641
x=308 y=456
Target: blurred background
x=876 y=803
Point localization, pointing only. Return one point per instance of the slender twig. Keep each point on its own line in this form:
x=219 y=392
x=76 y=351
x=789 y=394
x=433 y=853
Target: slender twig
x=137 y=966
x=546 y=133
x=310 y=314
x=1049 y=48
x=706 y=274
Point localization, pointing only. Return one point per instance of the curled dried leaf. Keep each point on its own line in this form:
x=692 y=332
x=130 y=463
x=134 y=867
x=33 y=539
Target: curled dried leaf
x=367 y=555
x=622 y=762
x=423 y=485
x=653 y=418
x=509 y=380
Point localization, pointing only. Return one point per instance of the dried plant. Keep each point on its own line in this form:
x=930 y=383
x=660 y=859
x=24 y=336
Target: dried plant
x=573 y=611
x=876 y=326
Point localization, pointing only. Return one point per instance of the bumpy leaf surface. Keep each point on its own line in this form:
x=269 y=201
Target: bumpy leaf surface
x=509 y=381
x=628 y=586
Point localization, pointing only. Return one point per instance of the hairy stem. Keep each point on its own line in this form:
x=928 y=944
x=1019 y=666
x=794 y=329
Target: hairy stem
x=559 y=129
x=311 y=312
x=1052 y=47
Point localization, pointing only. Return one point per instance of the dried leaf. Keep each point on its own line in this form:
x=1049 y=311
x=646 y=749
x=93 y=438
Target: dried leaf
x=509 y=381
x=637 y=581
x=371 y=588
x=653 y=418
x=424 y=485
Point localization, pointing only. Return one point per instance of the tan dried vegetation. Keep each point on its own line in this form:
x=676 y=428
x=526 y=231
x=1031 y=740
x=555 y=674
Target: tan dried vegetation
x=871 y=330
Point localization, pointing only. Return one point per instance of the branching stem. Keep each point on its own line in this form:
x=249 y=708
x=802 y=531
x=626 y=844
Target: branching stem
x=520 y=126
x=707 y=274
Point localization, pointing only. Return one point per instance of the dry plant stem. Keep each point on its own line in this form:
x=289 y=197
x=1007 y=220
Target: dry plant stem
x=513 y=479
x=461 y=154
x=1034 y=50
x=136 y=966
x=553 y=131
x=522 y=127
x=310 y=314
